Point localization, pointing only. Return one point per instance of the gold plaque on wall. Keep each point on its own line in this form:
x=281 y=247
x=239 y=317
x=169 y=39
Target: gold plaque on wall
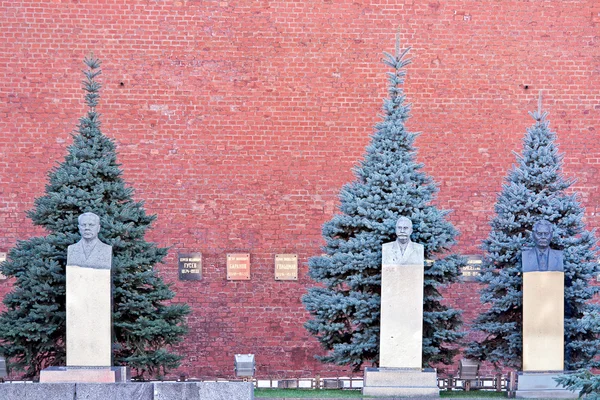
x=286 y=267
x=238 y=266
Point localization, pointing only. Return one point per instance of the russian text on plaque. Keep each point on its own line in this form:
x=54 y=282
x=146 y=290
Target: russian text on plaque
x=238 y=266
x=286 y=267
x=190 y=266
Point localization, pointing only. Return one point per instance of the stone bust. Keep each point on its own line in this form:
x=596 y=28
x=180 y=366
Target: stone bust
x=89 y=252
x=403 y=251
x=542 y=257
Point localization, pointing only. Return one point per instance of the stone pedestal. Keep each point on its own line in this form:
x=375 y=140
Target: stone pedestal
x=543 y=336
x=84 y=374
x=543 y=321
x=401 y=335
x=541 y=385
x=89 y=316
x=402 y=382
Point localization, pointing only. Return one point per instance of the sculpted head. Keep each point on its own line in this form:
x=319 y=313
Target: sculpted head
x=89 y=225
x=403 y=229
x=542 y=234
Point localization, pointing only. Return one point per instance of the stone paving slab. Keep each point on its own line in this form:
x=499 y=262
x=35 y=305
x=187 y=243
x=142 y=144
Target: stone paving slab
x=128 y=391
x=36 y=391
x=114 y=391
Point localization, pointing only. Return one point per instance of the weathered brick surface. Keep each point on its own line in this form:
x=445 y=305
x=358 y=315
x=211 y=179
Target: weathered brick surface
x=238 y=122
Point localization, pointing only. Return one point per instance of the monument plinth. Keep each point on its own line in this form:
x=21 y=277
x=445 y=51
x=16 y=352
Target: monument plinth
x=88 y=311
x=89 y=322
x=543 y=318
x=401 y=335
x=543 y=321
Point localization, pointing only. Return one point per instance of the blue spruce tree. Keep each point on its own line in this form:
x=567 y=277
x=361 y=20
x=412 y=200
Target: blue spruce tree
x=389 y=184
x=32 y=328
x=535 y=189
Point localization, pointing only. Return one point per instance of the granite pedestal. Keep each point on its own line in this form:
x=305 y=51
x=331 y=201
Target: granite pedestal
x=543 y=321
x=401 y=337
x=541 y=385
x=89 y=317
x=402 y=382
x=543 y=336
x=84 y=374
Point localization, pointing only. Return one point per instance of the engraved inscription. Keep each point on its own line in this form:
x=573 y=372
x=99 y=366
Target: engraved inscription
x=472 y=270
x=238 y=266
x=190 y=266
x=286 y=267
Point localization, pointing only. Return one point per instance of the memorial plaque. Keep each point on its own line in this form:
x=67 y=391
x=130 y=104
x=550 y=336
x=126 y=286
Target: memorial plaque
x=238 y=266
x=190 y=266
x=286 y=267
x=472 y=270
x=2 y=258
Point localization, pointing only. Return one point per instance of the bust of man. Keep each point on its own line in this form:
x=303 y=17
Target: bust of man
x=89 y=252
x=403 y=251
x=542 y=257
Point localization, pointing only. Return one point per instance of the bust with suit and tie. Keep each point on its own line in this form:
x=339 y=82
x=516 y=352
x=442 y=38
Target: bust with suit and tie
x=89 y=252
x=402 y=251
x=542 y=257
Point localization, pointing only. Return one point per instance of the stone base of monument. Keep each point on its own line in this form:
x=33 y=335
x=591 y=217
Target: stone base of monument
x=403 y=382
x=85 y=374
x=129 y=391
x=533 y=385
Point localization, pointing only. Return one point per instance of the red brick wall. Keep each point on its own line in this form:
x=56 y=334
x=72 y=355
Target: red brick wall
x=238 y=122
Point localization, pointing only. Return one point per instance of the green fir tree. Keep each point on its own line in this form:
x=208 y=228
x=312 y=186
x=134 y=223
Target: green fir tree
x=32 y=328
x=535 y=189
x=389 y=183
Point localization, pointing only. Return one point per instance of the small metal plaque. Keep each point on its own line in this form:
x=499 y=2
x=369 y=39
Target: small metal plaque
x=238 y=266
x=286 y=267
x=472 y=270
x=2 y=258
x=190 y=266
